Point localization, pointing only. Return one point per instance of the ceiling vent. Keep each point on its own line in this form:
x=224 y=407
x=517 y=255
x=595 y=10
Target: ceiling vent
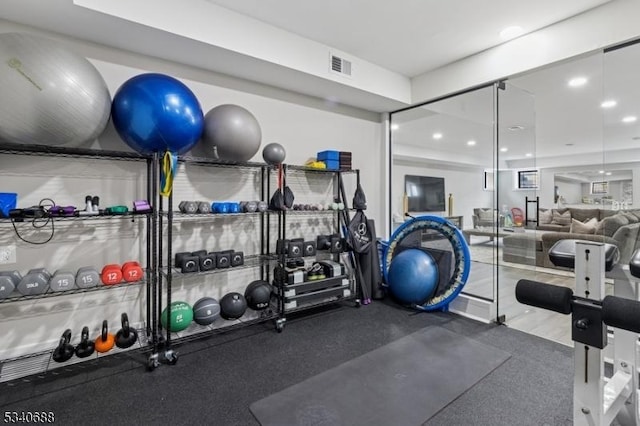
x=340 y=65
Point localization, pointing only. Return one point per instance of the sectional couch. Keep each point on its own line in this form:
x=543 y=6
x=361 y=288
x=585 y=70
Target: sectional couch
x=609 y=226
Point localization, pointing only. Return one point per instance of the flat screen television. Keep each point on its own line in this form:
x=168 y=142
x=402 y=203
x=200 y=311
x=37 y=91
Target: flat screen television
x=425 y=193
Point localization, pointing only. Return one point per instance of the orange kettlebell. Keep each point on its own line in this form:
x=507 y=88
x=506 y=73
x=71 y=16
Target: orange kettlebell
x=106 y=340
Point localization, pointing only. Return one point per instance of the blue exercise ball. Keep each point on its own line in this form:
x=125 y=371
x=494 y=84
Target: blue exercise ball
x=155 y=113
x=413 y=276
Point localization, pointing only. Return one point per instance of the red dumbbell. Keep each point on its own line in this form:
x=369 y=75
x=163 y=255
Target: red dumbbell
x=132 y=272
x=111 y=274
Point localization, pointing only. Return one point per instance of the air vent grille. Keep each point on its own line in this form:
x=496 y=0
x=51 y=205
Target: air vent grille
x=340 y=65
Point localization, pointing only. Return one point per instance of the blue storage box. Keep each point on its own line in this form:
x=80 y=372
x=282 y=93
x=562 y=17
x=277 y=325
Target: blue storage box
x=332 y=164
x=328 y=155
x=8 y=201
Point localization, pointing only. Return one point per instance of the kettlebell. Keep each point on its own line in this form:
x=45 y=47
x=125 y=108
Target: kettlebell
x=126 y=336
x=86 y=347
x=106 y=340
x=64 y=351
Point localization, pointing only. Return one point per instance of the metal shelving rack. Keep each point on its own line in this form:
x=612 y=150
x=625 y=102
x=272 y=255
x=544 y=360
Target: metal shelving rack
x=164 y=351
x=315 y=293
x=150 y=281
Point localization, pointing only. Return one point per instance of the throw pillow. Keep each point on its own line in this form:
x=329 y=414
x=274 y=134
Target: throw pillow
x=578 y=227
x=545 y=217
x=609 y=225
x=486 y=215
x=561 y=219
x=631 y=217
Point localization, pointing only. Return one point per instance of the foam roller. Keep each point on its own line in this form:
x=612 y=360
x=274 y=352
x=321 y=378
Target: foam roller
x=545 y=296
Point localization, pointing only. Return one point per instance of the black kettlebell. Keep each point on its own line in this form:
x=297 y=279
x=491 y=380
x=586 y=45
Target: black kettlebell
x=86 y=347
x=65 y=350
x=126 y=336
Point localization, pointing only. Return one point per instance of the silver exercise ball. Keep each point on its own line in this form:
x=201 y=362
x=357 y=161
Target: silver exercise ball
x=273 y=153
x=232 y=133
x=50 y=95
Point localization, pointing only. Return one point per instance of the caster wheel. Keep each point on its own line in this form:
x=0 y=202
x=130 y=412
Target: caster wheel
x=358 y=303
x=171 y=357
x=280 y=325
x=152 y=362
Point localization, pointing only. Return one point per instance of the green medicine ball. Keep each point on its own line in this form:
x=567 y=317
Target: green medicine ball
x=181 y=316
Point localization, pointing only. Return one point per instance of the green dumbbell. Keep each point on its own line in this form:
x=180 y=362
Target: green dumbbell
x=9 y=280
x=35 y=282
x=87 y=277
x=62 y=280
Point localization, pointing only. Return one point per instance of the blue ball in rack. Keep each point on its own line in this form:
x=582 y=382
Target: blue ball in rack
x=156 y=113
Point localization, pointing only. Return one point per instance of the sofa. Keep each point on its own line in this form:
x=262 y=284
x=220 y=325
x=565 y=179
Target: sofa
x=486 y=218
x=608 y=226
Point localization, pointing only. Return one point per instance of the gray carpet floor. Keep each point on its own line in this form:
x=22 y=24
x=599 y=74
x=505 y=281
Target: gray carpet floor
x=218 y=377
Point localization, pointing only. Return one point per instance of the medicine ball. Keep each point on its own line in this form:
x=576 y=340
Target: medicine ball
x=232 y=306
x=181 y=316
x=206 y=310
x=258 y=295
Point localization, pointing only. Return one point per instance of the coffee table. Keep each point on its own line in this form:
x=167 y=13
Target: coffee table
x=491 y=233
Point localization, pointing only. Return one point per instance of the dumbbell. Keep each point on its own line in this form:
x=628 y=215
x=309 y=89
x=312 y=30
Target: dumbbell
x=87 y=277
x=250 y=206
x=86 y=347
x=35 y=282
x=111 y=274
x=206 y=261
x=204 y=207
x=263 y=206
x=65 y=349
x=8 y=282
x=132 y=272
x=237 y=258
x=223 y=259
x=105 y=341
x=62 y=280
x=187 y=262
x=309 y=248
x=188 y=207
x=126 y=336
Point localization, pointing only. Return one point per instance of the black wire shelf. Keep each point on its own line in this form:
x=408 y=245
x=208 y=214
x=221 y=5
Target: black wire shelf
x=251 y=261
x=29 y=220
x=179 y=215
x=61 y=151
x=49 y=293
x=204 y=161
x=305 y=169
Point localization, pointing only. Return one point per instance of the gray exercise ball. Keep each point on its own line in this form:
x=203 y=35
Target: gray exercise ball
x=274 y=153
x=231 y=133
x=50 y=95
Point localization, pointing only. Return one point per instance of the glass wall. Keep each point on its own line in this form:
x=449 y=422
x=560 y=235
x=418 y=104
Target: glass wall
x=452 y=140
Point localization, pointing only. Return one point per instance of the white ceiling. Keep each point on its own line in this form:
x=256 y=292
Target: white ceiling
x=408 y=36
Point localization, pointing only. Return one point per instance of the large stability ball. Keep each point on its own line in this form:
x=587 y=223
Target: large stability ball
x=157 y=113
x=232 y=133
x=413 y=276
x=50 y=95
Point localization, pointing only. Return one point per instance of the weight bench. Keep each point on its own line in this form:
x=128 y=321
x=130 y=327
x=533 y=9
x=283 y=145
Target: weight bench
x=597 y=400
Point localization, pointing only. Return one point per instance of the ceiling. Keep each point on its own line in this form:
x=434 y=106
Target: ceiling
x=391 y=34
x=406 y=37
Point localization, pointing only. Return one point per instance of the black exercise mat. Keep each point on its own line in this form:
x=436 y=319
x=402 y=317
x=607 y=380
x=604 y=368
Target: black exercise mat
x=405 y=382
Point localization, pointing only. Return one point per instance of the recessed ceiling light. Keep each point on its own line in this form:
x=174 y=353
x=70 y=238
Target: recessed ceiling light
x=515 y=128
x=437 y=136
x=635 y=138
x=511 y=32
x=568 y=144
x=395 y=127
x=528 y=154
x=601 y=171
x=608 y=174
x=578 y=81
x=504 y=149
x=629 y=119
x=471 y=143
x=608 y=103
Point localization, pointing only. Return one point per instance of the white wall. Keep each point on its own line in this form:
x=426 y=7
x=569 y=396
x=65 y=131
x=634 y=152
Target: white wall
x=303 y=125
x=464 y=183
